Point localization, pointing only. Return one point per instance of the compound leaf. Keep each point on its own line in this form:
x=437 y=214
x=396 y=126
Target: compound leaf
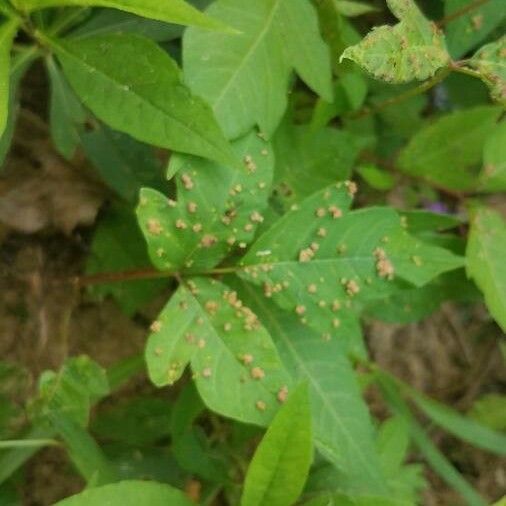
x=486 y=251
x=217 y=210
x=134 y=86
x=245 y=77
x=412 y=49
x=235 y=365
x=279 y=468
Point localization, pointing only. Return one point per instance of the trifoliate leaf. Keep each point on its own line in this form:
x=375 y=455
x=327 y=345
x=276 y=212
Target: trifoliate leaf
x=490 y=62
x=235 y=365
x=217 y=210
x=412 y=49
x=245 y=77
x=486 y=251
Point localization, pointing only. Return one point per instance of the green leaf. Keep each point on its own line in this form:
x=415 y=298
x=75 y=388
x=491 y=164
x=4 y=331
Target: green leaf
x=431 y=453
x=490 y=62
x=308 y=160
x=490 y=410
x=108 y=255
x=419 y=220
x=66 y=112
x=342 y=427
x=129 y=493
x=486 y=251
x=19 y=66
x=174 y=11
x=466 y=31
x=245 y=77
x=135 y=87
x=447 y=151
x=376 y=178
x=412 y=49
x=83 y=450
x=351 y=9
x=279 y=468
x=235 y=365
x=123 y=163
x=217 y=210
x=465 y=428
x=319 y=260
x=7 y=33
x=493 y=175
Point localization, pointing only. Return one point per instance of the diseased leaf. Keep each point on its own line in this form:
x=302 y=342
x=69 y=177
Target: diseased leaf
x=466 y=31
x=308 y=160
x=245 y=77
x=279 y=468
x=493 y=175
x=129 y=493
x=135 y=87
x=342 y=426
x=66 y=112
x=412 y=49
x=447 y=151
x=217 y=211
x=7 y=32
x=490 y=62
x=109 y=254
x=486 y=251
x=173 y=11
x=235 y=365
x=319 y=260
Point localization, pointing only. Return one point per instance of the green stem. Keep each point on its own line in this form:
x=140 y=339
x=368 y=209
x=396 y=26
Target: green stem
x=417 y=90
x=27 y=443
x=458 y=67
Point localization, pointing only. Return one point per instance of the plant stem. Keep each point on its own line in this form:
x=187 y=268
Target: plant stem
x=417 y=90
x=461 y=12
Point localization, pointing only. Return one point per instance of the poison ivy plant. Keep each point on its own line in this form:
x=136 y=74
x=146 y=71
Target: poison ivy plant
x=227 y=153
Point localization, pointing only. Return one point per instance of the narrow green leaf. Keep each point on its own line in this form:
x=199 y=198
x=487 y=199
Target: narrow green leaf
x=278 y=470
x=83 y=450
x=217 y=211
x=66 y=112
x=412 y=49
x=493 y=175
x=447 y=151
x=342 y=427
x=235 y=365
x=20 y=64
x=134 y=86
x=490 y=410
x=173 y=11
x=466 y=31
x=486 y=251
x=245 y=77
x=7 y=33
x=461 y=426
x=432 y=455
x=490 y=62
x=129 y=493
